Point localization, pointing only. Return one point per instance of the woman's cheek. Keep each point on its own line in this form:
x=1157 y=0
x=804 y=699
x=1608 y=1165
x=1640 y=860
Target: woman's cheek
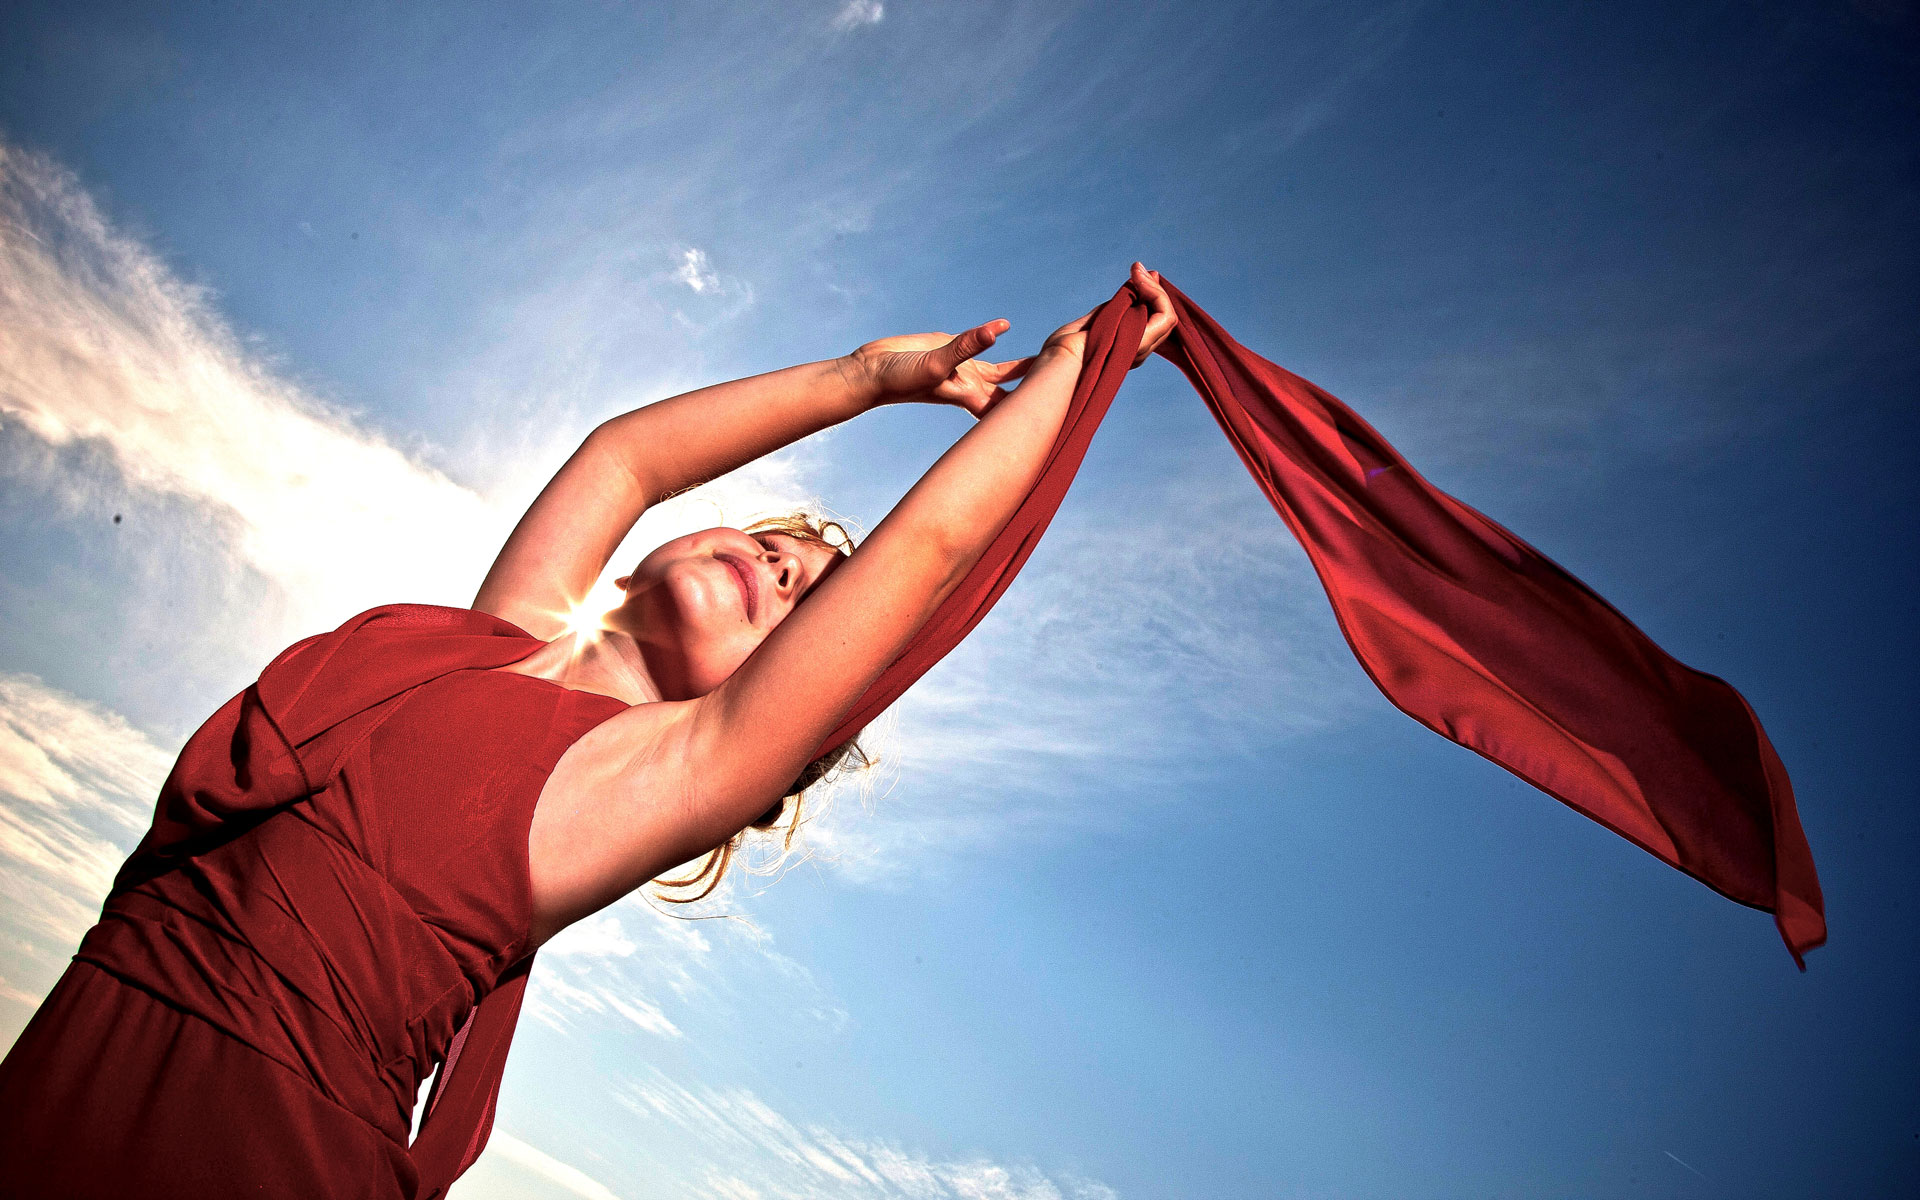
x=697 y=600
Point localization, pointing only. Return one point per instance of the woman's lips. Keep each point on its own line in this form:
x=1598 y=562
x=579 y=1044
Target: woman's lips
x=749 y=587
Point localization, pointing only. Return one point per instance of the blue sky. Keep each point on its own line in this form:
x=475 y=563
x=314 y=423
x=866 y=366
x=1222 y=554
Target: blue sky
x=1154 y=896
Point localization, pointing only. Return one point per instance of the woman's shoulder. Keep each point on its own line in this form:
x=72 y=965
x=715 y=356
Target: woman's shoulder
x=377 y=655
x=613 y=812
x=432 y=618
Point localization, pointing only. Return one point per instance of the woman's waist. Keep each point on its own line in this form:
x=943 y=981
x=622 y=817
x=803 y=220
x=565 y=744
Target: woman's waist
x=291 y=944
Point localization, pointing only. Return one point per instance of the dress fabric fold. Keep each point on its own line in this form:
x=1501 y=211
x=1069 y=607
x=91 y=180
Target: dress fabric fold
x=278 y=969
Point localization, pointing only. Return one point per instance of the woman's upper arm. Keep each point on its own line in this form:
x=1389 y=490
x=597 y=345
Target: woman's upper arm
x=620 y=808
x=557 y=551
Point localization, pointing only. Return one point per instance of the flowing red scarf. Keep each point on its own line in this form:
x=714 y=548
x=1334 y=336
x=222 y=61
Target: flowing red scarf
x=1466 y=628
x=1463 y=626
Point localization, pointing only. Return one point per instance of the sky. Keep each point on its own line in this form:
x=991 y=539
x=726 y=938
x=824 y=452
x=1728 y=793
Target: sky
x=1152 y=895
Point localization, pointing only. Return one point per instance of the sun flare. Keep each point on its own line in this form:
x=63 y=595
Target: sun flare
x=586 y=618
x=583 y=622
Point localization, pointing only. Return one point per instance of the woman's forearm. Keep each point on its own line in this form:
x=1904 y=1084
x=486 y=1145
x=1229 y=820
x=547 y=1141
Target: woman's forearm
x=968 y=495
x=808 y=673
x=689 y=439
x=803 y=679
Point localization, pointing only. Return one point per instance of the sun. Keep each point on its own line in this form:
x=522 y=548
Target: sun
x=583 y=622
x=585 y=619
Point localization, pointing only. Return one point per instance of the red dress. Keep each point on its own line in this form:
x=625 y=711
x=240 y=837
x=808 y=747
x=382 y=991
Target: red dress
x=278 y=970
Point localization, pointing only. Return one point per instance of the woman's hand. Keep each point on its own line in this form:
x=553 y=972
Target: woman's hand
x=933 y=368
x=1071 y=338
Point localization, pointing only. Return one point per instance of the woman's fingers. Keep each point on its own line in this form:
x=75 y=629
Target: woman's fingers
x=1161 y=319
x=978 y=388
x=973 y=342
x=1011 y=369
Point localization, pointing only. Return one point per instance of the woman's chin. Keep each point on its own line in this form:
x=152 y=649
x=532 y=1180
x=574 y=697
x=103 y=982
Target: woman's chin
x=682 y=669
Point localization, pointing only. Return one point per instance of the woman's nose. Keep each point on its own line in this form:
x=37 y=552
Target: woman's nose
x=786 y=568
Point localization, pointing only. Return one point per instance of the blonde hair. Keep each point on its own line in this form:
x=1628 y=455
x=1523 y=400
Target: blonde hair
x=707 y=875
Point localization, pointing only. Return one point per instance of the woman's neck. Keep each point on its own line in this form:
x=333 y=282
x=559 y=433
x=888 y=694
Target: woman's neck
x=607 y=662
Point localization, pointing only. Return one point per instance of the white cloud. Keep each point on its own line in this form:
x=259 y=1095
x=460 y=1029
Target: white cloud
x=511 y=1167
x=57 y=750
x=77 y=784
x=1178 y=622
x=267 y=513
x=722 y=298
x=856 y=13
x=727 y=1143
x=101 y=344
x=696 y=271
x=567 y=990
x=672 y=973
x=599 y=936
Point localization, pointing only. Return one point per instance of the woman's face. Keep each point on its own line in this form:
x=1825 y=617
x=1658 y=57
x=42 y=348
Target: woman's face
x=700 y=604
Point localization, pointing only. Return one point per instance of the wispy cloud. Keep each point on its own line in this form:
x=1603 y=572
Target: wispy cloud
x=120 y=383
x=1683 y=1162
x=729 y=1143
x=723 y=298
x=856 y=13
x=76 y=789
x=529 y=1171
x=636 y=965
x=1316 y=97
x=696 y=271
x=567 y=991
x=1189 y=625
x=100 y=343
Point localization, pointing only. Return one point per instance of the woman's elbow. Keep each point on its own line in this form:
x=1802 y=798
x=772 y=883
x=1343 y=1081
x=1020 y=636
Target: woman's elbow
x=952 y=547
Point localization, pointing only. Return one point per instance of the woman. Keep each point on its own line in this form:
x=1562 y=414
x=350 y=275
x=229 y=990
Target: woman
x=335 y=878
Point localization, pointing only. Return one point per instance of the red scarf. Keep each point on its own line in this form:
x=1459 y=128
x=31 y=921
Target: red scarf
x=1466 y=628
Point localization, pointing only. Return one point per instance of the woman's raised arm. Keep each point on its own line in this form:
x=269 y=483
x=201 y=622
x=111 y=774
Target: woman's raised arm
x=749 y=737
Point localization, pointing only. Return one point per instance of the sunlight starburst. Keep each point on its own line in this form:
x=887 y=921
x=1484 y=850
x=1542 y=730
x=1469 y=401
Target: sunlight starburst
x=587 y=617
